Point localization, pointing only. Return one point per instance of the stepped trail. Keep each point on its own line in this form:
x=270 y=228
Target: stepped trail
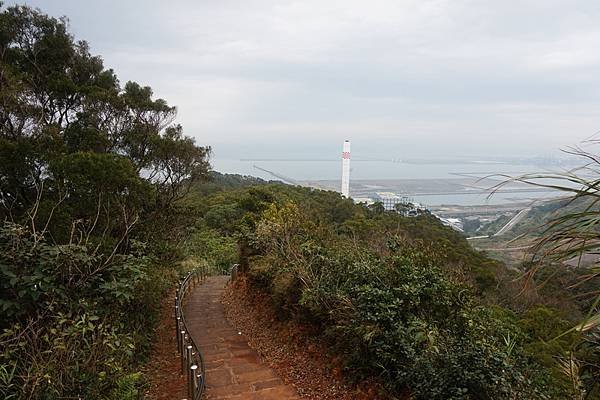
x=233 y=369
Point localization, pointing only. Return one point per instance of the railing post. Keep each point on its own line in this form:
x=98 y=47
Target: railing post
x=192 y=384
x=200 y=376
x=183 y=341
x=188 y=355
x=178 y=332
x=188 y=363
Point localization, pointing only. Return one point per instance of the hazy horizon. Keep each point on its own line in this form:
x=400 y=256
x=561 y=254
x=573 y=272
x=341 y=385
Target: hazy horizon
x=401 y=79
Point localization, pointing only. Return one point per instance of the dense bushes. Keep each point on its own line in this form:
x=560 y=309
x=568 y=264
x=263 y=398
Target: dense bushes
x=92 y=175
x=68 y=329
x=393 y=313
x=405 y=300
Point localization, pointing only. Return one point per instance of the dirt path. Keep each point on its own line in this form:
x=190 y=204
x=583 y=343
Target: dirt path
x=233 y=369
x=295 y=351
x=163 y=370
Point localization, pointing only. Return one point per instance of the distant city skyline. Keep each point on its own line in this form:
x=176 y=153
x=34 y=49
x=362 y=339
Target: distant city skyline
x=400 y=79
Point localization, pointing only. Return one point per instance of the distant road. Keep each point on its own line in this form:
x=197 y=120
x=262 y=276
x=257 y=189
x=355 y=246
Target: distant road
x=514 y=220
x=519 y=248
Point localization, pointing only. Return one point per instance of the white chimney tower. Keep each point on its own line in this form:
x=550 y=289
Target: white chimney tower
x=346 y=169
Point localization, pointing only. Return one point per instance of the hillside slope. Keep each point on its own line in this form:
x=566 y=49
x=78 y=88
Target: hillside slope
x=405 y=300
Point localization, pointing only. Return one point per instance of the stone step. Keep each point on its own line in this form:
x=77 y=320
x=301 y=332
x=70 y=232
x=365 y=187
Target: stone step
x=233 y=369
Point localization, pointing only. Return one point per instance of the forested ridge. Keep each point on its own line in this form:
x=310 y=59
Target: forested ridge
x=406 y=300
x=104 y=202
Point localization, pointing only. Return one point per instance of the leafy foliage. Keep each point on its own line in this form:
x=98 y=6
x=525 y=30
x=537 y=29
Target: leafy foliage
x=405 y=300
x=568 y=231
x=392 y=311
x=92 y=175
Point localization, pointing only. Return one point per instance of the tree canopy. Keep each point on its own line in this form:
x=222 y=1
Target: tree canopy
x=91 y=173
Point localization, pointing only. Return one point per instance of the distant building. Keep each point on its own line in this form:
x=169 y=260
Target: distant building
x=388 y=199
x=393 y=202
x=407 y=207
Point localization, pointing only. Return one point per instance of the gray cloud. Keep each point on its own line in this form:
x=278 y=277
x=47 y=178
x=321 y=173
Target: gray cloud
x=401 y=78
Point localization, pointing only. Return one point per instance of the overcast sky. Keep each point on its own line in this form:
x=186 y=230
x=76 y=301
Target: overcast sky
x=399 y=78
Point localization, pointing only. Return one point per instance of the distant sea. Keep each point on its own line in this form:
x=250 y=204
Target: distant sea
x=297 y=170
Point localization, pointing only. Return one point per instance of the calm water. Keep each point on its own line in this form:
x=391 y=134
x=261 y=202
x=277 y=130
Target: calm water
x=378 y=170
x=319 y=170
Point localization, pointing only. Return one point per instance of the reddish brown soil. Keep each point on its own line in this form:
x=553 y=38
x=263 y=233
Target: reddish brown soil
x=163 y=370
x=295 y=354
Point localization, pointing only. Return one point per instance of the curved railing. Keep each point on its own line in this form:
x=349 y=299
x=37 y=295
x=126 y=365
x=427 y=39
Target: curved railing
x=192 y=363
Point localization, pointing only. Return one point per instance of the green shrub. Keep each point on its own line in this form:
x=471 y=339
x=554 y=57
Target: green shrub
x=127 y=388
x=79 y=337
x=393 y=312
x=402 y=299
x=89 y=171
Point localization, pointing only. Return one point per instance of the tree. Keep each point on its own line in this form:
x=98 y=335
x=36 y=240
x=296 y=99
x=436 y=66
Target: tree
x=89 y=169
x=57 y=100
x=377 y=208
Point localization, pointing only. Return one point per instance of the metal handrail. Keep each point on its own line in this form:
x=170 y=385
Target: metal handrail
x=234 y=272
x=192 y=362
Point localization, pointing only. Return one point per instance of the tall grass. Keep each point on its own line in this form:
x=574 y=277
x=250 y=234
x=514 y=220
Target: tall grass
x=572 y=233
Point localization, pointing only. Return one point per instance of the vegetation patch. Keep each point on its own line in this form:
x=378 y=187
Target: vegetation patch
x=403 y=300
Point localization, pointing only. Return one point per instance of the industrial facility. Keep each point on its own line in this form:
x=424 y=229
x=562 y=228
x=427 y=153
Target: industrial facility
x=346 y=169
x=391 y=201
